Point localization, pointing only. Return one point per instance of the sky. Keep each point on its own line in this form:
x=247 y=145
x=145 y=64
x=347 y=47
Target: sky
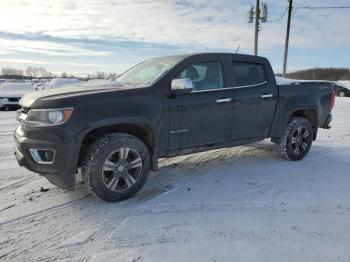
x=85 y=36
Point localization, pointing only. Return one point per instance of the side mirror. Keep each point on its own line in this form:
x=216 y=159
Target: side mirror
x=182 y=85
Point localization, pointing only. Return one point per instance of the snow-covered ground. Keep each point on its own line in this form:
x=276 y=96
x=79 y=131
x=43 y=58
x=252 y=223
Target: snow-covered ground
x=345 y=83
x=237 y=204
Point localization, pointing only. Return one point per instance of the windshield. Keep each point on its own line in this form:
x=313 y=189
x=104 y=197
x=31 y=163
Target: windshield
x=146 y=73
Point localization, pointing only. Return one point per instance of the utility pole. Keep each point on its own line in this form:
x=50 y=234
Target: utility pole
x=256 y=31
x=290 y=7
x=260 y=15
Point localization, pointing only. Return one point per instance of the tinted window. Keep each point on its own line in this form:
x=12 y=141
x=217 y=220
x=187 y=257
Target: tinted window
x=248 y=73
x=204 y=76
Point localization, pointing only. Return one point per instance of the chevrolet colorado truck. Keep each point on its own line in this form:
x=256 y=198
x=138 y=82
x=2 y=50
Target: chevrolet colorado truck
x=116 y=131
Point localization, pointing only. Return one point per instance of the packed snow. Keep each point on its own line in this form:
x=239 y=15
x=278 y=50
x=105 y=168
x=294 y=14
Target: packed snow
x=344 y=83
x=15 y=89
x=290 y=81
x=236 y=204
x=61 y=82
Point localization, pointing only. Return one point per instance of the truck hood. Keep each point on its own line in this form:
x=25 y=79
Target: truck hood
x=50 y=95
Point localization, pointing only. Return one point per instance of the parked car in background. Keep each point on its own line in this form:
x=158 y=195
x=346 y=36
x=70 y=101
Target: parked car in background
x=341 y=90
x=40 y=86
x=60 y=82
x=11 y=93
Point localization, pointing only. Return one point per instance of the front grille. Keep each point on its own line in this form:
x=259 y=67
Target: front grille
x=22 y=114
x=24 y=110
x=13 y=99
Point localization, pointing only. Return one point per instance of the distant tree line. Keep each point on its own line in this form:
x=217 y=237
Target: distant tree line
x=332 y=74
x=41 y=72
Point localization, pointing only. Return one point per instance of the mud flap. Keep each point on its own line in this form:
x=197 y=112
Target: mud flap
x=64 y=181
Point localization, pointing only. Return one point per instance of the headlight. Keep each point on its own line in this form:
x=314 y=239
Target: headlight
x=45 y=117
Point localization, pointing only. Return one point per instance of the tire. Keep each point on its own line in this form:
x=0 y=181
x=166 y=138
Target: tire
x=341 y=93
x=296 y=140
x=116 y=167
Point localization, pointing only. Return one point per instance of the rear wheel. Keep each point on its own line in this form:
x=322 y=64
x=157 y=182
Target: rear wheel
x=296 y=140
x=116 y=166
x=341 y=93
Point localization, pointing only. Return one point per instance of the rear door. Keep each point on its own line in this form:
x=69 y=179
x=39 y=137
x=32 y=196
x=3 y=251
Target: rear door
x=204 y=116
x=255 y=98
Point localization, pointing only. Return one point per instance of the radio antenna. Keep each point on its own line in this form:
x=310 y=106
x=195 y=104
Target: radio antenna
x=238 y=48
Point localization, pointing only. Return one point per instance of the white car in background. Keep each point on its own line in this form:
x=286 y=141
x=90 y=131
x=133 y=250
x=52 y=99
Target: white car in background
x=60 y=82
x=11 y=93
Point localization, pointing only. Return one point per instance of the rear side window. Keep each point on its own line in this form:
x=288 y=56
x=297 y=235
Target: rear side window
x=248 y=73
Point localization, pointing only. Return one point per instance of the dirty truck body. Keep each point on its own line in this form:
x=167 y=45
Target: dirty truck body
x=116 y=131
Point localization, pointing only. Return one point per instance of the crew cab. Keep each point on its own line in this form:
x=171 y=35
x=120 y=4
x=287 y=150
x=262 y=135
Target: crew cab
x=116 y=131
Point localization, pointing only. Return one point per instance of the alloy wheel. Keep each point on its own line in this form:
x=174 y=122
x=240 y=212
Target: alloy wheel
x=300 y=140
x=122 y=169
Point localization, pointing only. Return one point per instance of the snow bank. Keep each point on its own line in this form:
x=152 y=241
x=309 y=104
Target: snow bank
x=290 y=81
x=60 y=82
x=16 y=89
x=344 y=83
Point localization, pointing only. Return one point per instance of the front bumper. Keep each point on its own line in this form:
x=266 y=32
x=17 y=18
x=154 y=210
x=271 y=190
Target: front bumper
x=61 y=172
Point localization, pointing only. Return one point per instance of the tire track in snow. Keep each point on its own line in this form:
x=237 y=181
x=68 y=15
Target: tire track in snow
x=174 y=173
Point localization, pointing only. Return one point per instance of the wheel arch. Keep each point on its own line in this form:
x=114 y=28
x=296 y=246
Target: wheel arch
x=143 y=131
x=311 y=114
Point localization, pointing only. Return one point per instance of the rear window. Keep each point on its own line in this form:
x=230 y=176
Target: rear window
x=248 y=73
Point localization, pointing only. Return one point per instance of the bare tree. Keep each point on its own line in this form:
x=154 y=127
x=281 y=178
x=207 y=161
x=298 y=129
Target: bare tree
x=29 y=71
x=64 y=74
x=100 y=75
x=112 y=75
x=9 y=71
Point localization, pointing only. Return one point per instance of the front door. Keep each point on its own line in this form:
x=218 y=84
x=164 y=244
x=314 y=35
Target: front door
x=204 y=116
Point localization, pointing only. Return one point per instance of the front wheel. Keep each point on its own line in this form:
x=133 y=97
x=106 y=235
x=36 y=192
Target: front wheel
x=296 y=140
x=116 y=166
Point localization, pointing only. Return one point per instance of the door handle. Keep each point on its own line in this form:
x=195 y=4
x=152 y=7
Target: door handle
x=266 y=96
x=224 y=100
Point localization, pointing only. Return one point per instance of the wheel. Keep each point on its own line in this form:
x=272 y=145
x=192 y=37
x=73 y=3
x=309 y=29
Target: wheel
x=296 y=140
x=341 y=93
x=116 y=166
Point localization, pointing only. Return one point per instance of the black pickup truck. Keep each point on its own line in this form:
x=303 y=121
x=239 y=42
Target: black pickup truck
x=116 y=130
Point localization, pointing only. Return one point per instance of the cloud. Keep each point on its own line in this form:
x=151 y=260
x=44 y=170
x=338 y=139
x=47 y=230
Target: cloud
x=25 y=61
x=204 y=24
x=47 y=47
x=117 y=33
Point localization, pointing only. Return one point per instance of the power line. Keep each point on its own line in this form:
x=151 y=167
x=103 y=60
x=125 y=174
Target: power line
x=308 y=7
x=284 y=12
x=306 y=45
x=322 y=7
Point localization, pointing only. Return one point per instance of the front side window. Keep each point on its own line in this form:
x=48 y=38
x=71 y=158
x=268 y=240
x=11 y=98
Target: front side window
x=204 y=76
x=248 y=73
